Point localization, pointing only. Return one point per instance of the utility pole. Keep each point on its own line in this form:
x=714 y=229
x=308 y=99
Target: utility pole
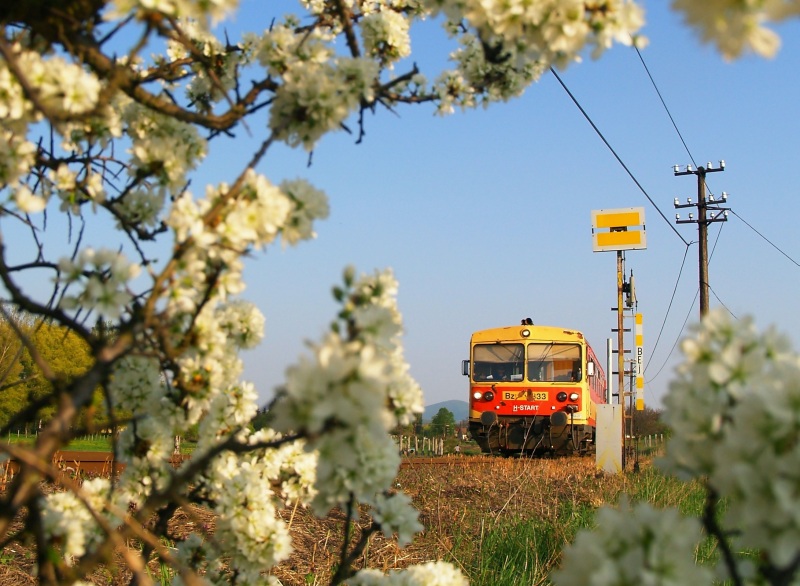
x=708 y=211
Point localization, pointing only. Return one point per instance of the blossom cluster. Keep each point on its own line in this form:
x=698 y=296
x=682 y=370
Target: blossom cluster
x=736 y=27
x=102 y=277
x=508 y=45
x=316 y=98
x=63 y=89
x=734 y=409
x=734 y=415
x=348 y=395
x=217 y=230
x=67 y=518
x=200 y=10
x=171 y=147
x=427 y=574
x=386 y=36
x=634 y=545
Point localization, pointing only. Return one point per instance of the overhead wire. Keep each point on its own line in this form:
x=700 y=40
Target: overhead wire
x=616 y=156
x=765 y=238
x=674 y=291
x=710 y=256
x=644 y=192
x=642 y=189
x=688 y=313
x=663 y=103
x=664 y=323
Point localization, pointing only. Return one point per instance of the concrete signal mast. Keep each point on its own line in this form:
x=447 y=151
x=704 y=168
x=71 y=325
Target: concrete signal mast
x=708 y=211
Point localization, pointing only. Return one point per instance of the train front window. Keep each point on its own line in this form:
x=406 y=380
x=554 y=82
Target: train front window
x=553 y=362
x=493 y=362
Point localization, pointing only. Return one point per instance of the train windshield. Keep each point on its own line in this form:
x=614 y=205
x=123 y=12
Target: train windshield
x=498 y=362
x=554 y=362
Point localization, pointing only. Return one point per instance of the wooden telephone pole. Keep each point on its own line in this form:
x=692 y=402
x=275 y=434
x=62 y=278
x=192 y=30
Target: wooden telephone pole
x=708 y=211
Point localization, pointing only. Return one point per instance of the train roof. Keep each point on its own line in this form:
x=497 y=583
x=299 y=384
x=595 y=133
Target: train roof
x=535 y=332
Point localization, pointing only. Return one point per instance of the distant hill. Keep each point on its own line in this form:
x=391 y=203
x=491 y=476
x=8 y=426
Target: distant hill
x=459 y=409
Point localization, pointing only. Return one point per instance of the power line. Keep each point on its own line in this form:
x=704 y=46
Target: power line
x=716 y=240
x=663 y=103
x=669 y=307
x=677 y=339
x=630 y=174
x=765 y=238
x=685 y=321
x=616 y=156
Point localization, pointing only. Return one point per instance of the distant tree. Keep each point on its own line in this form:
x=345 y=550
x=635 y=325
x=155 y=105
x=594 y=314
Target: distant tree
x=261 y=419
x=13 y=392
x=648 y=422
x=443 y=421
x=29 y=381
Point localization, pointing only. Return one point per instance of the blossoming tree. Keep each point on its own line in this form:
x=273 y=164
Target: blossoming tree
x=106 y=109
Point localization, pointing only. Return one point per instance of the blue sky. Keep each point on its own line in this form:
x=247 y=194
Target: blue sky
x=485 y=217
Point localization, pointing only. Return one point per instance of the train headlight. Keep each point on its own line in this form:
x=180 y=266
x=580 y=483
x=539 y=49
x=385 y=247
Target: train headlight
x=477 y=395
x=574 y=396
x=488 y=396
x=561 y=397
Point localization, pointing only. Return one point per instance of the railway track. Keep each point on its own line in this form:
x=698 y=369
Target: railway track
x=85 y=464
x=445 y=461
x=81 y=464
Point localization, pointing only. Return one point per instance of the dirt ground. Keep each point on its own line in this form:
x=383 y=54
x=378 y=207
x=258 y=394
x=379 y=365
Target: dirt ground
x=455 y=499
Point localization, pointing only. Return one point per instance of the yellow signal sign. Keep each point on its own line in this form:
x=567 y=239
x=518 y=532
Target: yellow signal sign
x=619 y=229
x=638 y=365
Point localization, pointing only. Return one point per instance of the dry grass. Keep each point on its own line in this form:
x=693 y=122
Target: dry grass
x=457 y=501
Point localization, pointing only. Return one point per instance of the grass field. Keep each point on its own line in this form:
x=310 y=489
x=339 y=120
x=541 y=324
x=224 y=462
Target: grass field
x=503 y=522
x=88 y=443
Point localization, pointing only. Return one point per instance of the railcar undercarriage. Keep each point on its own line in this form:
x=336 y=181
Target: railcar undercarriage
x=539 y=435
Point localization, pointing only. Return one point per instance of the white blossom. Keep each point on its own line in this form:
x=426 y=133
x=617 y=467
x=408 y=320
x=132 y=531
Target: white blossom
x=27 y=202
x=634 y=545
x=349 y=394
x=160 y=142
x=316 y=98
x=199 y=10
x=395 y=514
x=67 y=518
x=16 y=157
x=310 y=204
x=734 y=411
x=736 y=26
x=102 y=277
x=427 y=574
x=386 y=36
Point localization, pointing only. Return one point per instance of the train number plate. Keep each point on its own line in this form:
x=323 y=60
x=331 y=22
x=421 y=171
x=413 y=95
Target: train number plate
x=525 y=396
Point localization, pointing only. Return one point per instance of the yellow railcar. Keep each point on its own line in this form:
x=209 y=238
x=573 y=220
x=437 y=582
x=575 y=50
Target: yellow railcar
x=533 y=389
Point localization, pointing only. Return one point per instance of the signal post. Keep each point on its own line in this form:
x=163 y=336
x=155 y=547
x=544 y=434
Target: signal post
x=619 y=230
